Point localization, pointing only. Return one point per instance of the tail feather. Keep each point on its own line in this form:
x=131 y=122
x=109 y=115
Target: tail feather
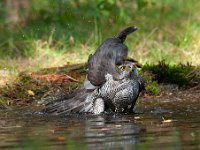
x=122 y=35
x=74 y=104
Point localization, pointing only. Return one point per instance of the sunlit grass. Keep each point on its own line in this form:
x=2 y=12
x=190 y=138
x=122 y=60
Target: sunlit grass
x=46 y=56
x=167 y=30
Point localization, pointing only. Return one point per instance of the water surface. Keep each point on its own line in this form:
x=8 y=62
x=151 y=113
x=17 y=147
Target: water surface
x=174 y=125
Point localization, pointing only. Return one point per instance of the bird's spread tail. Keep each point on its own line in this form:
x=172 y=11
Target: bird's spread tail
x=122 y=35
x=74 y=104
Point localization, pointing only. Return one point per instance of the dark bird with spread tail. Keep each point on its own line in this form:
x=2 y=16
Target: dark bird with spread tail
x=110 y=53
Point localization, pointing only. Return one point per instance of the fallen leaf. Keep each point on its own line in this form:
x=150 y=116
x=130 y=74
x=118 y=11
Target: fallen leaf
x=31 y=93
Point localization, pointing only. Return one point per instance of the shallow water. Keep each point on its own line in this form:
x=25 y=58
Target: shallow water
x=174 y=125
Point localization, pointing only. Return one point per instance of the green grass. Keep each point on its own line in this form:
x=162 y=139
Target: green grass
x=56 y=33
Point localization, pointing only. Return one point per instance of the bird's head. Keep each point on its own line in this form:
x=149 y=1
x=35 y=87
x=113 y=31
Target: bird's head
x=128 y=69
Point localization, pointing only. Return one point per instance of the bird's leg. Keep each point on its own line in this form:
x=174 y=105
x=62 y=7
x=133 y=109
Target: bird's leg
x=98 y=106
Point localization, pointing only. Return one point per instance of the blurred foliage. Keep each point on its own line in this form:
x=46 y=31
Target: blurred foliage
x=168 y=29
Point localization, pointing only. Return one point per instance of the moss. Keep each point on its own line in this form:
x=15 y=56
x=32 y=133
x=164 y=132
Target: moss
x=151 y=86
x=172 y=74
x=3 y=103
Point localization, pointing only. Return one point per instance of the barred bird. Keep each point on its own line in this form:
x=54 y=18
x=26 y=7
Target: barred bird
x=110 y=53
x=119 y=96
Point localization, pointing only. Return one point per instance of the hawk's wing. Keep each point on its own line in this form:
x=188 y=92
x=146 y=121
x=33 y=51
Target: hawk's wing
x=110 y=53
x=74 y=103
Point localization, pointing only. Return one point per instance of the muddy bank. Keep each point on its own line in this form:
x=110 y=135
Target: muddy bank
x=37 y=88
x=172 y=94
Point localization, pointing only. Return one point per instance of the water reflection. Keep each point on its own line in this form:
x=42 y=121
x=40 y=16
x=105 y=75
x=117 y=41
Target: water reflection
x=180 y=129
x=111 y=131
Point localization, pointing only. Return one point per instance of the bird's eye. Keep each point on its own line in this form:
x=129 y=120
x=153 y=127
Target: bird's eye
x=129 y=68
x=123 y=68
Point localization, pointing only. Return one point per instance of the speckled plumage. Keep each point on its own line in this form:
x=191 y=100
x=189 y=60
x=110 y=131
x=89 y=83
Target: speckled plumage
x=119 y=95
